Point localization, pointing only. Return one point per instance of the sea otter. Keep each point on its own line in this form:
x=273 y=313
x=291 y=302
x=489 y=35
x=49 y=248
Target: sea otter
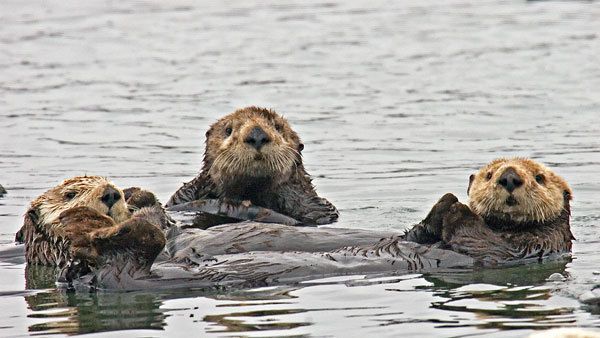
x=518 y=209
x=48 y=243
x=254 y=155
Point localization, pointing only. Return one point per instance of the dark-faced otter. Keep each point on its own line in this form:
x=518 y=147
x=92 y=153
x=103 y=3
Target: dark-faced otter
x=519 y=210
x=254 y=155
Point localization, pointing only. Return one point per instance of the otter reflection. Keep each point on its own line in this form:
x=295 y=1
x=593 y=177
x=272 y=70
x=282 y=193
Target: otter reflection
x=80 y=313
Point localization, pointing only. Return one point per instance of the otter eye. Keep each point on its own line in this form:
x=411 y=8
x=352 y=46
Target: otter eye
x=539 y=178
x=488 y=176
x=228 y=131
x=70 y=195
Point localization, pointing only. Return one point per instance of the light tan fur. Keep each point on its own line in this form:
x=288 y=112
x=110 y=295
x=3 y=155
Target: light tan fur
x=231 y=157
x=78 y=191
x=536 y=201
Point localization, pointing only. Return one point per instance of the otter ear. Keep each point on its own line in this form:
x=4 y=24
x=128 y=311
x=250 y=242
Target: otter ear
x=33 y=214
x=29 y=223
x=300 y=147
x=471 y=179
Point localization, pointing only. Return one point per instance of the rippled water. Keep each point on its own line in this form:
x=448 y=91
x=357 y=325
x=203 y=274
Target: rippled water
x=396 y=101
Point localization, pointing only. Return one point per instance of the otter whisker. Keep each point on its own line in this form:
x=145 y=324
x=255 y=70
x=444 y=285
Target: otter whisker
x=294 y=151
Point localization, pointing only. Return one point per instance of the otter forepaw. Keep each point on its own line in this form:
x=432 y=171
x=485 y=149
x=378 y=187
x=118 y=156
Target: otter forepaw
x=322 y=212
x=459 y=216
x=429 y=230
x=138 y=198
x=433 y=221
x=135 y=236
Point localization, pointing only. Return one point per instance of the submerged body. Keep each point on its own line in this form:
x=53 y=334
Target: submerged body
x=262 y=268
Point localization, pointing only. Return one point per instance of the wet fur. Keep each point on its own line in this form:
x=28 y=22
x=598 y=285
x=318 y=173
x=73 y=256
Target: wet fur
x=537 y=202
x=491 y=231
x=70 y=220
x=41 y=230
x=273 y=177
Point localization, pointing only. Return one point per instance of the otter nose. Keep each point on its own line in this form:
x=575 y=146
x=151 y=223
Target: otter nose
x=257 y=138
x=110 y=196
x=510 y=180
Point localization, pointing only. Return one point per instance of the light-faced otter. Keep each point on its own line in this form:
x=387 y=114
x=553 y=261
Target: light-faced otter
x=47 y=242
x=254 y=155
x=519 y=209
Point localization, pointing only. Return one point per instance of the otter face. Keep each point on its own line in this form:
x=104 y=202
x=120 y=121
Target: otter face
x=252 y=144
x=94 y=192
x=518 y=190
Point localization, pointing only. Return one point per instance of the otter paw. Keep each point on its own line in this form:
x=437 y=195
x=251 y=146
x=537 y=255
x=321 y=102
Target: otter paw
x=77 y=226
x=459 y=216
x=138 y=198
x=135 y=237
x=71 y=271
x=435 y=218
x=429 y=230
x=322 y=212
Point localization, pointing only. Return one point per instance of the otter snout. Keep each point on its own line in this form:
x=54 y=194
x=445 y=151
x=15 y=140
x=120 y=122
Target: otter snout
x=257 y=138
x=510 y=180
x=110 y=196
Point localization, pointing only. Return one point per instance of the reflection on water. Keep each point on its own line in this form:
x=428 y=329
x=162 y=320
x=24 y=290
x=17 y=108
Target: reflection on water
x=507 y=298
x=397 y=103
x=70 y=313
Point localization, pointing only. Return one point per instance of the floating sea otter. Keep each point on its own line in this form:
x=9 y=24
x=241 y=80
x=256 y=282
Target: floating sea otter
x=526 y=204
x=97 y=200
x=253 y=155
x=519 y=209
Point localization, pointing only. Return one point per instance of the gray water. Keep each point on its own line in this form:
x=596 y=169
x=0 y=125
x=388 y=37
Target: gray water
x=396 y=101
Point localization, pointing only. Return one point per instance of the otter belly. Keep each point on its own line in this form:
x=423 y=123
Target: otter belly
x=260 y=268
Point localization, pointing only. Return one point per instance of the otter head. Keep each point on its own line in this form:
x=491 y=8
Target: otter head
x=250 y=150
x=518 y=192
x=94 y=192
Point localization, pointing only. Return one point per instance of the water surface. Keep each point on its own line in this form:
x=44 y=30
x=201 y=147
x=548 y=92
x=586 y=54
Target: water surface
x=396 y=102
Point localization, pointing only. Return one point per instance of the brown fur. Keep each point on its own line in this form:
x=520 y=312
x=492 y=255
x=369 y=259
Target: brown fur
x=230 y=159
x=272 y=177
x=40 y=228
x=94 y=237
x=62 y=222
x=535 y=225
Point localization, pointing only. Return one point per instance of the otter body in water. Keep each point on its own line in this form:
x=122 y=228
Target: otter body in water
x=47 y=242
x=124 y=255
x=519 y=209
x=254 y=155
